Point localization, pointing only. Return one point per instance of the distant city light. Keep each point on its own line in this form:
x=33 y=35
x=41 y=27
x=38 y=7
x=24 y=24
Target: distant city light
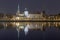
x=17 y=18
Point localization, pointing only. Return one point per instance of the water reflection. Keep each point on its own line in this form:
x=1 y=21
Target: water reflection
x=26 y=27
x=18 y=33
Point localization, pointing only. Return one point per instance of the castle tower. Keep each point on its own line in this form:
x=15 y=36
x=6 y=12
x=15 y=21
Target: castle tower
x=26 y=13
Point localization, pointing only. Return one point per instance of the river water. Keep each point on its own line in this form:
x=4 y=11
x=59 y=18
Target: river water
x=50 y=33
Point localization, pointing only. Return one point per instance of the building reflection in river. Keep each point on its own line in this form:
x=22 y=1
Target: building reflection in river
x=27 y=26
x=26 y=29
x=30 y=25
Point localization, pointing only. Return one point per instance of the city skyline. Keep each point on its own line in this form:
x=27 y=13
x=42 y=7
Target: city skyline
x=51 y=6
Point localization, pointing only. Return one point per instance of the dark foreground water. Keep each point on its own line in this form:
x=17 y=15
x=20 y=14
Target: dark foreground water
x=49 y=34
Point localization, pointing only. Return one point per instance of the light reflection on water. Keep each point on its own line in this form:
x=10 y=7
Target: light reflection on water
x=26 y=31
x=49 y=33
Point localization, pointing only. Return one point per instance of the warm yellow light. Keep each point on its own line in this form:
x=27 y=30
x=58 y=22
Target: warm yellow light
x=21 y=27
x=17 y=24
x=17 y=18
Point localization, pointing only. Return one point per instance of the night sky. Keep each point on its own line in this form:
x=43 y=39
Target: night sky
x=50 y=6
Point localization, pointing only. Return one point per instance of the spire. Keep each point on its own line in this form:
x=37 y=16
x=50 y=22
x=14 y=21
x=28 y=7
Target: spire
x=18 y=7
x=18 y=11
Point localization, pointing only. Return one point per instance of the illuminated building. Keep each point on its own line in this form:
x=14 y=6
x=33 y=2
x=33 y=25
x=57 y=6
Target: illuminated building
x=27 y=16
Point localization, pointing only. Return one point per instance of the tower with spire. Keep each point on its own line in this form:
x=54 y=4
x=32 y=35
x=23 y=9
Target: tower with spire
x=18 y=11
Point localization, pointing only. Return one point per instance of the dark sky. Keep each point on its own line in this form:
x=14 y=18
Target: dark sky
x=50 y=6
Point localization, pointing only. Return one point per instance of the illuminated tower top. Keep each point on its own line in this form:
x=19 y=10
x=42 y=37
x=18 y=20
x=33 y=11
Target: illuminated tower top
x=18 y=8
x=18 y=11
x=26 y=12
